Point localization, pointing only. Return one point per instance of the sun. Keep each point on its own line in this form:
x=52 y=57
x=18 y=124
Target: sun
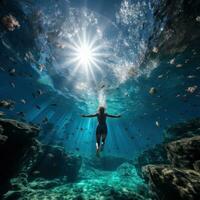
x=86 y=54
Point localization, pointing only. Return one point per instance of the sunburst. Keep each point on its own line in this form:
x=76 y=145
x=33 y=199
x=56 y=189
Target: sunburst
x=86 y=54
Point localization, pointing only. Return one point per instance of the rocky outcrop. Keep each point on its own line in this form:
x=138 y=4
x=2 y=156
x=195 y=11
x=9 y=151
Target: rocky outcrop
x=176 y=26
x=156 y=155
x=185 y=152
x=16 y=137
x=181 y=179
x=25 y=157
x=173 y=183
x=52 y=162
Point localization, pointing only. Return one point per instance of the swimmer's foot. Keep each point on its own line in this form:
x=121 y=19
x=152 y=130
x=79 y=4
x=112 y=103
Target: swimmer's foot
x=98 y=152
x=102 y=147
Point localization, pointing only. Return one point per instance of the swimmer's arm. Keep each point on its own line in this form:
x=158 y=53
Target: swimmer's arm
x=113 y=116
x=92 y=115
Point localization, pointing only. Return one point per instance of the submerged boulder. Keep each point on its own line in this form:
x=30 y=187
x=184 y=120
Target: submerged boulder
x=155 y=155
x=16 y=137
x=180 y=178
x=185 y=152
x=24 y=157
x=173 y=183
x=52 y=162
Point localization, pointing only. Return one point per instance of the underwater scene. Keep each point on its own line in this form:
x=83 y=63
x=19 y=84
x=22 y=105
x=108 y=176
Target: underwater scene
x=99 y=99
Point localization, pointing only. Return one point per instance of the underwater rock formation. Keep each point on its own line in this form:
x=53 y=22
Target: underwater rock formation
x=122 y=184
x=24 y=157
x=16 y=138
x=173 y=183
x=52 y=162
x=172 y=168
x=158 y=154
x=179 y=30
x=185 y=152
x=181 y=179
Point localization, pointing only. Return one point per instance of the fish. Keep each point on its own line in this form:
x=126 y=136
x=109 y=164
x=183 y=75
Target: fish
x=38 y=107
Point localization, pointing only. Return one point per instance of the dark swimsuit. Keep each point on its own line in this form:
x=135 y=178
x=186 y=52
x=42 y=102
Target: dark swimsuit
x=102 y=127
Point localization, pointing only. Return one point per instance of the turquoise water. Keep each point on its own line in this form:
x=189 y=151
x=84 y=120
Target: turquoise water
x=139 y=59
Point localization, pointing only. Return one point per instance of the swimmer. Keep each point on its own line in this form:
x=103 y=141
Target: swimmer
x=101 y=130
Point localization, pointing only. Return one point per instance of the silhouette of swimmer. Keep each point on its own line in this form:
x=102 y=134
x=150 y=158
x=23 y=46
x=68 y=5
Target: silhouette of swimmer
x=101 y=131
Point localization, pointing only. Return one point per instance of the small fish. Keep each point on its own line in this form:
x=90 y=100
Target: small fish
x=38 y=107
x=12 y=71
x=172 y=61
x=21 y=114
x=23 y=101
x=192 y=89
x=179 y=65
x=152 y=91
x=157 y=124
x=155 y=49
x=12 y=85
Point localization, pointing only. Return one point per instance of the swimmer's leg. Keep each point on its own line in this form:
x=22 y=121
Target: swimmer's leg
x=98 y=139
x=103 y=140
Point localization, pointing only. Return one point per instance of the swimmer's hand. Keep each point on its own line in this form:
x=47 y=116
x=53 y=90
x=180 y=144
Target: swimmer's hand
x=82 y=115
x=118 y=116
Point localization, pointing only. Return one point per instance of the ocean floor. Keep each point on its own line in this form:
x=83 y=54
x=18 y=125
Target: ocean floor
x=124 y=183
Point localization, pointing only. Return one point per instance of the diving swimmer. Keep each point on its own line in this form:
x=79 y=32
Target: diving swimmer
x=101 y=130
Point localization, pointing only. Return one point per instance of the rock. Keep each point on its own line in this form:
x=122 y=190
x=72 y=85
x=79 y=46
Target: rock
x=182 y=130
x=17 y=137
x=44 y=184
x=6 y=104
x=155 y=155
x=10 y=22
x=12 y=195
x=52 y=162
x=180 y=178
x=196 y=165
x=3 y=139
x=18 y=131
x=152 y=91
x=184 y=152
x=173 y=183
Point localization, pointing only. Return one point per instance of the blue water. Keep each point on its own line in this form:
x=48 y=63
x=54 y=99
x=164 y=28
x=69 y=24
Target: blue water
x=43 y=51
